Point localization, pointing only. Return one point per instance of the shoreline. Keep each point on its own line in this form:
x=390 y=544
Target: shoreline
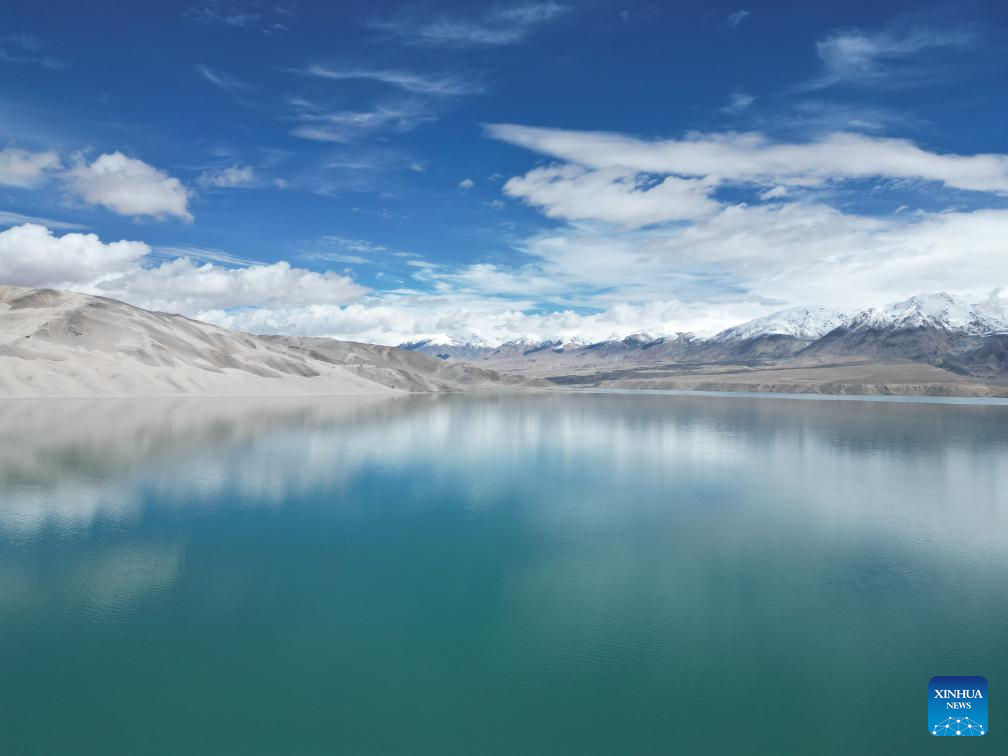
x=968 y=400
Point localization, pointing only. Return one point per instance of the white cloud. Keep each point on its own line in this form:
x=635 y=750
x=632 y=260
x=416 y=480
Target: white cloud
x=589 y=279
x=231 y=177
x=184 y=286
x=738 y=102
x=220 y=79
x=8 y=218
x=611 y=194
x=410 y=317
x=220 y=14
x=25 y=169
x=128 y=186
x=26 y=48
x=201 y=254
x=737 y=264
x=502 y=25
x=440 y=85
x=344 y=126
x=31 y=255
x=466 y=184
x=753 y=157
x=353 y=245
x=775 y=193
x=856 y=55
x=347 y=250
x=736 y=18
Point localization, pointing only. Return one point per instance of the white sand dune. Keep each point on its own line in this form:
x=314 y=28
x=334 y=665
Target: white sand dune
x=58 y=343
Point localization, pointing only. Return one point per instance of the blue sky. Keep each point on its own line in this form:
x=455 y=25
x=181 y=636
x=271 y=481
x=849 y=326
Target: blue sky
x=394 y=171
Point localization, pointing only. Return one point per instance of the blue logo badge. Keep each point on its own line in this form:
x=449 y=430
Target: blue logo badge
x=957 y=706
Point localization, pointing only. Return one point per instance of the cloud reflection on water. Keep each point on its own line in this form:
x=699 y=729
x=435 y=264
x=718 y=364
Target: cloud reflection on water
x=75 y=462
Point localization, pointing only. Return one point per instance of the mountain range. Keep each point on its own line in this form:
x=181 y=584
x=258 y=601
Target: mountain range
x=59 y=343
x=930 y=343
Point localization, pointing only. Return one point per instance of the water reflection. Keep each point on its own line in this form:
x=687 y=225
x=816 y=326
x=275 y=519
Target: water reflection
x=72 y=462
x=511 y=574
x=69 y=462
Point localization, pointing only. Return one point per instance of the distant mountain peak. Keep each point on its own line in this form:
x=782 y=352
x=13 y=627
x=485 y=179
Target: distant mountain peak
x=808 y=323
x=941 y=310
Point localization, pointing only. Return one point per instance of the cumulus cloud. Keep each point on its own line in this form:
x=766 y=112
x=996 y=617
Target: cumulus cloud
x=754 y=158
x=649 y=243
x=722 y=262
x=183 y=286
x=584 y=279
x=612 y=194
x=395 y=320
x=128 y=186
x=466 y=184
x=741 y=262
x=31 y=255
x=25 y=169
x=775 y=193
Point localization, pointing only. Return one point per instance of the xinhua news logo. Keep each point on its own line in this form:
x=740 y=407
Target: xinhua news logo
x=957 y=706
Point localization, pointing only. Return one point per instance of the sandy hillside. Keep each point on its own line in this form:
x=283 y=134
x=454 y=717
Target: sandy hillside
x=57 y=343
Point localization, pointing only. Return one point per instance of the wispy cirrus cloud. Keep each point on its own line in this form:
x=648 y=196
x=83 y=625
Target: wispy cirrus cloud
x=738 y=102
x=354 y=245
x=216 y=13
x=343 y=249
x=735 y=19
x=27 y=48
x=442 y=85
x=318 y=124
x=8 y=218
x=220 y=79
x=200 y=254
x=858 y=56
x=230 y=177
x=500 y=25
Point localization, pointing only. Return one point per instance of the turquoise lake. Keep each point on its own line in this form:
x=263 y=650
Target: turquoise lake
x=503 y=574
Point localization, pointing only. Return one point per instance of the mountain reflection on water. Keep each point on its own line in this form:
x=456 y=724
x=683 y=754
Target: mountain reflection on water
x=514 y=573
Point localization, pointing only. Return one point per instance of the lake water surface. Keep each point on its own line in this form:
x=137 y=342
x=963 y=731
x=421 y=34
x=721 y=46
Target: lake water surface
x=516 y=574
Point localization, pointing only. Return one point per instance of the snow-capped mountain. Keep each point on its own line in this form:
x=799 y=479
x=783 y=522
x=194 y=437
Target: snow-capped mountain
x=466 y=347
x=524 y=346
x=943 y=311
x=467 y=340
x=640 y=338
x=776 y=336
x=806 y=323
